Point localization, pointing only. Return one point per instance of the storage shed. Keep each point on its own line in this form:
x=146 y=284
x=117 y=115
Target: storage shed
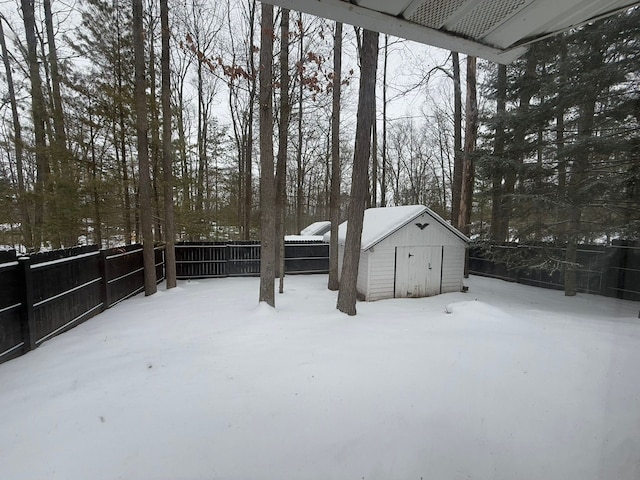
x=407 y=251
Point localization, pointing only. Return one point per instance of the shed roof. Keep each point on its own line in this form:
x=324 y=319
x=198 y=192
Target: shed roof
x=379 y=223
x=316 y=228
x=498 y=30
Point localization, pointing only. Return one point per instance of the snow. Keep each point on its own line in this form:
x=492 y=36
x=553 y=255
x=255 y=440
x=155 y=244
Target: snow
x=382 y=221
x=202 y=382
x=316 y=228
x=303 y=238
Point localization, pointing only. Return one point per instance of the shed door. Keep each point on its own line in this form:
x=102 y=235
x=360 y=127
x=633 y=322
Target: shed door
x=418 y=271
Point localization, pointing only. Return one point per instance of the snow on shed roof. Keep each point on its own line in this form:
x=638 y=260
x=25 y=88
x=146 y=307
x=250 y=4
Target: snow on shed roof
x=381 y=222
x=316 y=228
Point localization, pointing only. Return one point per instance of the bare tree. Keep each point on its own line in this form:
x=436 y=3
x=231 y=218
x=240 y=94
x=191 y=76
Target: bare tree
x=299 y=165
x=347 y=292
x=267 y=180
x=25 y=220
x=167 y=166
x=383 y=179
x=65 y=227
x=283 y=136
x=142 y=127
x=336 y=175
x=456 y=184
x=39 y=116
x=242 y=87
x=471 y=127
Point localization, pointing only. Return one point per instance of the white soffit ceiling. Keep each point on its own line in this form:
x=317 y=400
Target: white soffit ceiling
x=498 y=30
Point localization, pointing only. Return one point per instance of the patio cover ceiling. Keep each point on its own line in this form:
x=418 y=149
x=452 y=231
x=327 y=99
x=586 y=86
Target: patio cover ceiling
x=498 y=30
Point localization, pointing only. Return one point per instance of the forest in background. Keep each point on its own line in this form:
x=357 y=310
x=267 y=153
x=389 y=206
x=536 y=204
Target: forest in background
x=547 y=150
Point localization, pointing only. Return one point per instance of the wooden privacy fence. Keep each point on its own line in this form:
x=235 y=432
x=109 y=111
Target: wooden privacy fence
x=45 y=294
x=612 y=271
x=225 y=259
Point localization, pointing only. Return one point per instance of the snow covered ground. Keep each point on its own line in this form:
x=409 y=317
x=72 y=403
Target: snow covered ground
x=202 y=383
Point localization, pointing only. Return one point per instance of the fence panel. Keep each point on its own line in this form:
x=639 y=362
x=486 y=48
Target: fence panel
x=623 y=274
x=488 y=267
x=602 y=270
x=220 y=259
x=123 y=273
x=243 y=259
x=306 y=258
x=204 y=260
x=66 y=290
x=11 y=305
x=159 y=262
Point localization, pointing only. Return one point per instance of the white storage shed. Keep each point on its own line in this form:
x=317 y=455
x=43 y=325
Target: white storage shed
x=407 y=251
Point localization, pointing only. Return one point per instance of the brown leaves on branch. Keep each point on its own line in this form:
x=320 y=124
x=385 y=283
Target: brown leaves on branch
x=214 y=64
x=310 y=69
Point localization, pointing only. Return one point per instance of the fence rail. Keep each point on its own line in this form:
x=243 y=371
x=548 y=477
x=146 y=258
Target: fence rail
x=211 y=260
x=612 y=271
x=43 y=295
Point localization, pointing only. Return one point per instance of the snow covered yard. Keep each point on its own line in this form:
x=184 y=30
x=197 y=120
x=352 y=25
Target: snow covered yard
x=201 y=383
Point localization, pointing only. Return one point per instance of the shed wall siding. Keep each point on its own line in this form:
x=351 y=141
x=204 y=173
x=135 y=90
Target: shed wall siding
x=377 y=268
x=410 y=235
x=382 y=263
x=452 y=268
x=363 y=274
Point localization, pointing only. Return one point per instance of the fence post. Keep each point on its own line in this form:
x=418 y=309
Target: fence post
x=27 y=316
x=622 y=269
x=104 y=286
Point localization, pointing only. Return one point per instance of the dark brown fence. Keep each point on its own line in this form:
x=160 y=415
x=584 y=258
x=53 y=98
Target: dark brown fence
x=124 y=272
x=612 y=271
x=43 y=295
x=222 y=259
x=12 y=303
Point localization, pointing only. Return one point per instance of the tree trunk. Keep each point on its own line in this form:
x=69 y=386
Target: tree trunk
x=39 y=115
x=336 y=174
x=25 y=220
x=66 y=189
x=248 y=172
x=519 y=135
x=575 y=195
x=360 y=180
x=470 y=130
x=383 y=182
x=121 y=142
x=142 y=127
x=202 y=153
x=456 y=184
x=267 y=181
x=97 y=221
x=498 y=153
x=373 y=197
x=299 y=169
x=283 y=136
x=167 y=165
x=560 y=150
x=155 y=147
